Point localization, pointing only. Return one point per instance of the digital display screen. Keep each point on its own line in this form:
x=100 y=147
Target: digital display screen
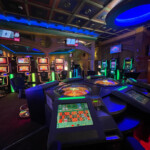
x=59 y=61
x=23 y=68
x=104 y=64
x=115 y=49
x=25 y=60
x=42 y=60
x=72 y=42
x=9 y=35
x=3 y=60
x=127 y=64
x=137 y=96
x=43 y=68
x=113 y=64
x=59 y=67
x=3 y=69
x=73 y=115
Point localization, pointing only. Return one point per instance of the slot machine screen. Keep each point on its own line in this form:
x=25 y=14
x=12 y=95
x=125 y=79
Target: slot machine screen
x=3 y=69
x=59 y=67
x=43 y=68
x=23 y=68
x=137 y=96
x=3 y=60
x=115 y=49
x=73 y=115
x=113 y=64
x=104 y=64
x=59 y=61
x=42 y=60
x=25 y=60
x=127 y=64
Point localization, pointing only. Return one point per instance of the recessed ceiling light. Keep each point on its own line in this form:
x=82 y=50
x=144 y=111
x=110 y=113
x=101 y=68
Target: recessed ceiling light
x=88 y=11
x=78 y=21
x=67 y=4
x=20 y=7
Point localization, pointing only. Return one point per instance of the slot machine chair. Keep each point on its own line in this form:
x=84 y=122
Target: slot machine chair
x=63 y=75
x=44 y=77
x=19 y=86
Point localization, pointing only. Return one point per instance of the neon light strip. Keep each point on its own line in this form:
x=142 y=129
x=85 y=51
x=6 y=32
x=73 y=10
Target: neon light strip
x=122 y=88
x=53 y=76
x=46 y=25
x=71 y=98
x=118 y=74
x=113 y=137
x=11 y=88
x=62 y=52
x=70 y=74
x=131 y=64
x=33 y=79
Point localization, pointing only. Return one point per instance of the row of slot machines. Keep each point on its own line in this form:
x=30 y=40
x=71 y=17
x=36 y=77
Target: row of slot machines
x=34 y=71
x=112 y=69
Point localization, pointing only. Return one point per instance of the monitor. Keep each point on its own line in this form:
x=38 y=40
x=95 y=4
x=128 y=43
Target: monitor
x=23 y=69
x=113 y=64
x=104 y=64
x=59 y=67
x=59 y=61
x=127 y=64
x=42 y=60
x=3 y=69
x=43 y=68
x=72 y=42
x=73 y=115
x=3 y=60
x=23 y=60
x=9 y=35
x=115 y=49
x=137 y=96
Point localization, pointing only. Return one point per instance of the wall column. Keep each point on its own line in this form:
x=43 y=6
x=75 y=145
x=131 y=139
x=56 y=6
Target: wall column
x=92 y=56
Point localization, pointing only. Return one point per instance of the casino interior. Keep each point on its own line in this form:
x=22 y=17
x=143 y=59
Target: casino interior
x=75 y=74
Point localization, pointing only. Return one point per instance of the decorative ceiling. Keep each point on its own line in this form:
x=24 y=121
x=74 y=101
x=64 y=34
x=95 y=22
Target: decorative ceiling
x=83 y=14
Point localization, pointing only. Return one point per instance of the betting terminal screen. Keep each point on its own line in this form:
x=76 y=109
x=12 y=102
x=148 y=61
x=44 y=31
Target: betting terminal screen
x=3 y=69
x=73 y=115
x=59 y=61
x=127 y=64
x=23 y=60
x=3 y=60
x=104 y=64
x=59 y=67
x=42 y=60
x=113 y=64
x=23 y=68
x=137 y=96
x=43 y=68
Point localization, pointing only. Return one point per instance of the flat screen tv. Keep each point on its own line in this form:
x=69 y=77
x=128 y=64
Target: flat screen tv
x=3 y=60
x=23 y=60
x=42 y=60
x=23 y=69
x=72 y=42
x=115 y=49
x=3 y=69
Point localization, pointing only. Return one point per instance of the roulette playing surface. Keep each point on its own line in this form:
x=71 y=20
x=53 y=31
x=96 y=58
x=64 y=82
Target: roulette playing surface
x=74 y=90
x=106 y=82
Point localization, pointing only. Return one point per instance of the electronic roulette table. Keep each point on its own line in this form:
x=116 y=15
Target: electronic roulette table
x=73 y=90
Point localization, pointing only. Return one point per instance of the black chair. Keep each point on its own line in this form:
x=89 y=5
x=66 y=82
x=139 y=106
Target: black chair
x=44 y=76
x=19 y=86
x=63 y=75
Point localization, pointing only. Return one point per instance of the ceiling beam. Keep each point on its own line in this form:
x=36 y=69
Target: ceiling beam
x=26 y=8
x=53 y=6
x=95 y=4
x=76 y=10
x=39 y=6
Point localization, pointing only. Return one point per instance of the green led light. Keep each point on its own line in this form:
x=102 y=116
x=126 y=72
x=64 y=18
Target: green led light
x=53 y=76
x=49 y=81
x=131 y=64
x=133 y=80
x=118 y=74
x=33 y=79
x=11 y=88
x=70 y=74
x=71 y=98
x=122 y=88
x=124 y=64
x=95 y=101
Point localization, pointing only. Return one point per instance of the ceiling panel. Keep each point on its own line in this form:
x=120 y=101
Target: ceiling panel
x=59 y=17
x=78 y=21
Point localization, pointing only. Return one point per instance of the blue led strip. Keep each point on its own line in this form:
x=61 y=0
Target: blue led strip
x=63 y=52
x=134 y=16
x=20 y=52
x=47 y=25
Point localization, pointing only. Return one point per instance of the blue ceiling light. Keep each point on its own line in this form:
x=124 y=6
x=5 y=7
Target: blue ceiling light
x=62 y=52
x=37 y=50
x=33 y=22
x=7 y=48
x=134 y=16
x=129 y=13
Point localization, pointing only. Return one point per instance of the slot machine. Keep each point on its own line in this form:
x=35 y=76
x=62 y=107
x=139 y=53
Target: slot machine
x=24 y=68
x=127 y=65
x=43 y=69
x=59 y=67
x=4 y=70
x=114 y=71
x=104 y=67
